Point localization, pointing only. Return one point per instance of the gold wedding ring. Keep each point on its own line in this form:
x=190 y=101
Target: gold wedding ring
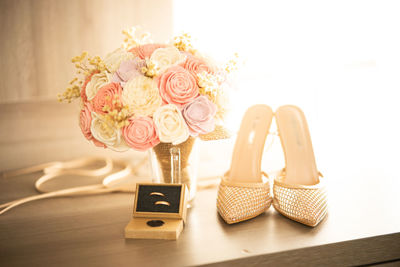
x=166 y=203
x=157 y=194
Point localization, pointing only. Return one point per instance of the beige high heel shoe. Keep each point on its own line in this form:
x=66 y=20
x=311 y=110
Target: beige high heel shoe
x=243 y=193
x=299 y=193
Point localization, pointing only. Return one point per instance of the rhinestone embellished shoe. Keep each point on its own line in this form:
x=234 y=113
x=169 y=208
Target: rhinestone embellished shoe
x=243 y=192
x=299 y=193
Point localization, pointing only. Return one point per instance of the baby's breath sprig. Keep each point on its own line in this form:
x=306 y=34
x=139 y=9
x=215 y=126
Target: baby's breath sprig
x=232 y=64
x=210 y=86
x=85 y=66
x=70 y=93
x=184 y=43
x=118 y=115
x=208 y=82
x=135 y=36
x=151 y=69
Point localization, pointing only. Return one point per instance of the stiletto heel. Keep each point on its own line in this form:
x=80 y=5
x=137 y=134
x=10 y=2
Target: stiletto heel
x=299 y=193
x=243 y=193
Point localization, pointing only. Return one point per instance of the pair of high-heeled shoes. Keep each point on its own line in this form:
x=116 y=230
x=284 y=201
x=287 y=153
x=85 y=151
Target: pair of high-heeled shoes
x=298 y=191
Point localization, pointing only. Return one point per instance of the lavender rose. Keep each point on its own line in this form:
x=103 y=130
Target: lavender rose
x=128 y=70
x=199 y=115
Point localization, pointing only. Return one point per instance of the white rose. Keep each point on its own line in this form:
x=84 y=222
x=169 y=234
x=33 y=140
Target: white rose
x=141 y=95
x=163 y=58
x=114 y=59
x=97 y=81
x=170 y=124
x=107 y=134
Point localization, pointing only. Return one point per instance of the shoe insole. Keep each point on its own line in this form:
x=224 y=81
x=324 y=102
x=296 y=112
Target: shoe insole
x=249 y=146
x=297 y=146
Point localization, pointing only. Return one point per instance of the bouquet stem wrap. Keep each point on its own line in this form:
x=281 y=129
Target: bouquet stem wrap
x=181 y=169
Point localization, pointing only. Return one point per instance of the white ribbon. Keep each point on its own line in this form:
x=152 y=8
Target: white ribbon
x=114 y=182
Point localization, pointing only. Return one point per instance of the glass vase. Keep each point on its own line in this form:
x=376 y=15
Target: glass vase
x=176 y=164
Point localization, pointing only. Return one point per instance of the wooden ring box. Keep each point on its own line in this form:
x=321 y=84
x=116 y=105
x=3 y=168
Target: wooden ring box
x=159 y=211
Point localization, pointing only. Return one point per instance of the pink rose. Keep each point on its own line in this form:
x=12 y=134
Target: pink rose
x=141 y=133
x=199 y=115
x=127 y=70
x=196 y=65
x=177 y=86
x=85 y=121
x=145 y=51
x=105 y=97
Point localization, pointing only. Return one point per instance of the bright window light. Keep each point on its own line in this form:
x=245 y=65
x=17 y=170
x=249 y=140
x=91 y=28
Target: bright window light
x=296 y=51
x=337 y=60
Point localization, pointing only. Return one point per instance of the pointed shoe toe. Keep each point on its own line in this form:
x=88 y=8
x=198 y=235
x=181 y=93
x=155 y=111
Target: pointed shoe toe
x=304 y=204
x=238 y=202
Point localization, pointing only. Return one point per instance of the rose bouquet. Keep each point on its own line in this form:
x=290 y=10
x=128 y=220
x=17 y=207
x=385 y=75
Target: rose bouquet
x=145 y=94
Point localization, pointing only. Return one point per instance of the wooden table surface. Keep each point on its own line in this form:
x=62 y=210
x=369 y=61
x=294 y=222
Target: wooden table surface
x=88 y=230
x=362 y=226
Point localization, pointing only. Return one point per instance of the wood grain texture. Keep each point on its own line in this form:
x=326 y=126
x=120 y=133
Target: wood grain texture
x=39 y=38
x=137 y=228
